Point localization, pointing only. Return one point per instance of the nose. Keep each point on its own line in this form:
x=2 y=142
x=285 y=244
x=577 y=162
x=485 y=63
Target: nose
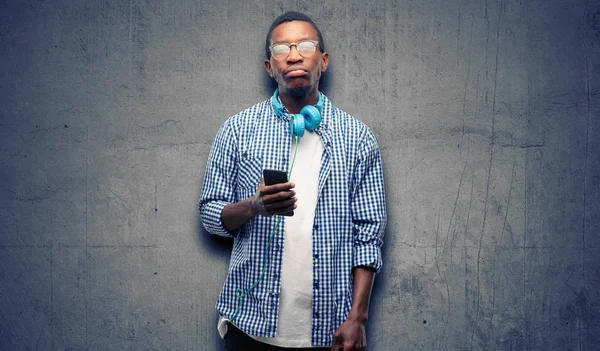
x=294 y=55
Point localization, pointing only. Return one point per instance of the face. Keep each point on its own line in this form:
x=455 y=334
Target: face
x=296 y=75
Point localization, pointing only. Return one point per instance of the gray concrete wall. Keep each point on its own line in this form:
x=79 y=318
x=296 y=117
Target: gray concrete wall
x=487 y=114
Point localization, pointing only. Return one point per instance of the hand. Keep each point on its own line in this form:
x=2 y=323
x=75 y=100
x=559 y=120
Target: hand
x=270 y=200
x=351 y=336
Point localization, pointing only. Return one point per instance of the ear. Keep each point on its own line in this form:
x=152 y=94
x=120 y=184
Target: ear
x=268 y=68
x=324 y=62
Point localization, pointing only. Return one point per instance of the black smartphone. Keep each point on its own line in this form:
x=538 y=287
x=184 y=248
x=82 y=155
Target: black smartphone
x=273 y=177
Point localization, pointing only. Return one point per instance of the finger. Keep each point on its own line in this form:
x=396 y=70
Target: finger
x=282 y=206
x=288 y=211
x=349 y=346
x=337 y=339
x=355 y=347
x=275 y=188
x=279 y=197
x=335 y=346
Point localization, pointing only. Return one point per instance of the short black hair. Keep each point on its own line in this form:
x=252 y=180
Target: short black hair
x=288 y=17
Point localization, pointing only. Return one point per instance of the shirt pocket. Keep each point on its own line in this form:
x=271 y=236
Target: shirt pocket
x=249 y=175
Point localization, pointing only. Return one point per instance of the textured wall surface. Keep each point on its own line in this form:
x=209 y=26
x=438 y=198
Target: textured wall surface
x=487 y=114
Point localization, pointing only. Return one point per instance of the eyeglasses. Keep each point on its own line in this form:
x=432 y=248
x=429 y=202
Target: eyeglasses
x=305 y=48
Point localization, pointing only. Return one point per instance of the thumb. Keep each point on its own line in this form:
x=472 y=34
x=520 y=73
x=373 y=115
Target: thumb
x=257 y=202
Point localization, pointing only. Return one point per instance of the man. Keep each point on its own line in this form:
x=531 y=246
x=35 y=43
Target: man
x=302 y=280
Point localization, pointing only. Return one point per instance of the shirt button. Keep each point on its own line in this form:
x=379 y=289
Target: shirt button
x=316 y=315
x=316 y=284
x=316 y=256
x=316 y=227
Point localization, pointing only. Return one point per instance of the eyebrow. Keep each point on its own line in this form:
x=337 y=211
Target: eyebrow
x=299 y=40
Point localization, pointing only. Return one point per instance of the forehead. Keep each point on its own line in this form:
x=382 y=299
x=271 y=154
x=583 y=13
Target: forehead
x=292 y=31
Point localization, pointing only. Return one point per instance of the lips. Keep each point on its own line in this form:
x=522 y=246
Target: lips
x=295 y=71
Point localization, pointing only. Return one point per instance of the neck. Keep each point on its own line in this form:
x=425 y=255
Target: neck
x=295 y=103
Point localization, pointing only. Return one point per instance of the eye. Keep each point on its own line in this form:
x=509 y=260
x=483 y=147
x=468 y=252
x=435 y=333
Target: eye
x=306 y=45
x=279 y=49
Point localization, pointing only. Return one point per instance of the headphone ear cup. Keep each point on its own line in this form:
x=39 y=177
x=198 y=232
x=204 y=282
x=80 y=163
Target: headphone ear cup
x=297 y=125
x=312 y=117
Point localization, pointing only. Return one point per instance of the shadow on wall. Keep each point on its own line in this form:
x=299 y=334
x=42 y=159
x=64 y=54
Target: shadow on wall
x=379 y=285
x=214 y=245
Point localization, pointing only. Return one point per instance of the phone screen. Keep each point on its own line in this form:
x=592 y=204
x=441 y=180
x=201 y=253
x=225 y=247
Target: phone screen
x=274 y=177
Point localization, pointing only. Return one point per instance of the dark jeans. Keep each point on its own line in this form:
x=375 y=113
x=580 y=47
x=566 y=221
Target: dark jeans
x=236 y=340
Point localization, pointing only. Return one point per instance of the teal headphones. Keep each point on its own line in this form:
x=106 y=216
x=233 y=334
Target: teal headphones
x=309 y=117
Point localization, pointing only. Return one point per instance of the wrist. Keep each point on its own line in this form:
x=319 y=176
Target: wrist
x=251 y=208
x=359 y=317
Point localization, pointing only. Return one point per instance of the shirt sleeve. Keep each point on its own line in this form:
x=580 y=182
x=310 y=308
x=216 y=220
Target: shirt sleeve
x=368 y=205
x=218 y=189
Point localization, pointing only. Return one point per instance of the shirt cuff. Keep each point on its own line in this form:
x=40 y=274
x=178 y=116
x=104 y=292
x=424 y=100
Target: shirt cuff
x=367 y=256
x=211 y=219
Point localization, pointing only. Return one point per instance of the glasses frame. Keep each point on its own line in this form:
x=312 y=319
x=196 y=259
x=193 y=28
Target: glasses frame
x=289 y=45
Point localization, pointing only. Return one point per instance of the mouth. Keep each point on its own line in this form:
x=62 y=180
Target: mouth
x=293 y=72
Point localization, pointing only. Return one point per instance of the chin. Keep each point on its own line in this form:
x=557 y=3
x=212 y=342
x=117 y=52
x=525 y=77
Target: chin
x=301 y=90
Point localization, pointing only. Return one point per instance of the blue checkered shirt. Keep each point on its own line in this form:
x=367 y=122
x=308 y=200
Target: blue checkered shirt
x=349 y=219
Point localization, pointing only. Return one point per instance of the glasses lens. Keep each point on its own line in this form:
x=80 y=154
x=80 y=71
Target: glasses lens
x=306 y=48
x=280 y=50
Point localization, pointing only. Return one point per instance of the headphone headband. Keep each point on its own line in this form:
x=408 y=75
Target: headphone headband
x=308 y=118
